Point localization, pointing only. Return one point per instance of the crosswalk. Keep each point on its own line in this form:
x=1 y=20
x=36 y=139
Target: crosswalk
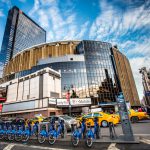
x=9 y=147
x=111 y=146
x=147 y=141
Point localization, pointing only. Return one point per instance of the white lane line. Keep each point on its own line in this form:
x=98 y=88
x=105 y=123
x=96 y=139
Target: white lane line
x=30 y=146
x=112 y=146
x=145 y=141
x=47 y=148
x=9 y=147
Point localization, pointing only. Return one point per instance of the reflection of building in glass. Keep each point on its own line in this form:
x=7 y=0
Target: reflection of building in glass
x=107 y=91
x=88 y=67
x=20 y=33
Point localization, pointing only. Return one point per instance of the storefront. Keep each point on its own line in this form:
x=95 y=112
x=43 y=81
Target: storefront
x=77 y=105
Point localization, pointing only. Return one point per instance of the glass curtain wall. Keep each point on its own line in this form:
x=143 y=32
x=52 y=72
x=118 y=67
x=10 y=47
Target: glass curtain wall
x=73 y=76
x=100 y=71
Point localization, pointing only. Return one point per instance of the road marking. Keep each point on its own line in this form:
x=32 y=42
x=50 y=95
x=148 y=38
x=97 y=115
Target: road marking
x=47 y=148
x=9 y=147
x=30 y=146
x=112 y=146
x=145 y=141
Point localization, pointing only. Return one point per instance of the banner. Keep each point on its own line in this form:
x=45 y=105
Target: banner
x=62 y=102
x=74 y=102
x=52 y=101
x=80 y=101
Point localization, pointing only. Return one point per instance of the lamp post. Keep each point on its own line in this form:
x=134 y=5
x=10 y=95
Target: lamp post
x=68 y=96
x=68 y=99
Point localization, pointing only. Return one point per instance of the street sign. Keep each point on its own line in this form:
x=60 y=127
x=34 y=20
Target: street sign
x=147 y=93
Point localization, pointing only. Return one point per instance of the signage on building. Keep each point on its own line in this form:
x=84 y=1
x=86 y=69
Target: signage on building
x=96 y=109
x=74 y=102
x=147 y=93
x=2 y=99
x=62 y=102
x=80 y=101
x=52 y=101
x=107 y=103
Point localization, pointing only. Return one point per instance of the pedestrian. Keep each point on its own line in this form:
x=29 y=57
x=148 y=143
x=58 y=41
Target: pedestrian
x=140 y=109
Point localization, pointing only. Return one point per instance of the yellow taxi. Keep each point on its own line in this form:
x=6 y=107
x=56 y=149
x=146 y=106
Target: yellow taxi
x=135 y=116
x=37 y=119
x=103 y=118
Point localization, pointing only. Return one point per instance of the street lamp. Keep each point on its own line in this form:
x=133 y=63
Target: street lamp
x=68 y=99
x=68 y=96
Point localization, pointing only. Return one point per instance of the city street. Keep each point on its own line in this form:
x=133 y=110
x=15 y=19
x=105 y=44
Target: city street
x=141 y=129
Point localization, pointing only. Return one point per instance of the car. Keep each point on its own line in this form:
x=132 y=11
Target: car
x=67 y=119
x=37 y=119
x=103 y=119
x=135 y=116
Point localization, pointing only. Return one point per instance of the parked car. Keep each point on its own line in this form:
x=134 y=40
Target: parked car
x=67 y=119
x=37 y=119
x=103 y=118
x=135 y=116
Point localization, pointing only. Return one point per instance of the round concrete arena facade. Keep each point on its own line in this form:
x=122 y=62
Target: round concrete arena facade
x=28 y=58
x=91 y=68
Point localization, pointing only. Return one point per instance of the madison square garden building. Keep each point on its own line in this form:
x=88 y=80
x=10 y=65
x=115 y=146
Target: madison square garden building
x=92 y=69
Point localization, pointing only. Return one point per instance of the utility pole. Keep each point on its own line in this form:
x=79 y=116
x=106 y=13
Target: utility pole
x=68 y=96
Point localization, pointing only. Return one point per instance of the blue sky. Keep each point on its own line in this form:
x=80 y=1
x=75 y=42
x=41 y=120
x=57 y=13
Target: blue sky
x=122 y=22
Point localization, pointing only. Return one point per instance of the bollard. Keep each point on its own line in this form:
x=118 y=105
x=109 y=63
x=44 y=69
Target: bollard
x=83 y=128
x=72 y=128
x=97 y=128
x=112 y=131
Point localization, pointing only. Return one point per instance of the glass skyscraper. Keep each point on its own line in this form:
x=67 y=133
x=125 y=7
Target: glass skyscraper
x=21 y=32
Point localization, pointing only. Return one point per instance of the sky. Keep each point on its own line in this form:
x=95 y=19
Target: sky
x=122 y=22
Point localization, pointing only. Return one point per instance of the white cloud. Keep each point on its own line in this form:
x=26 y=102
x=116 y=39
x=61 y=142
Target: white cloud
x=43 y=19
x=142 y=48
x=60 y=24
x=118 y=22
x=1 y=13
x=83 y=29
x=50 y=36
x=35 y=7
x=23 y=1
x=7 y=2
x=136 y=64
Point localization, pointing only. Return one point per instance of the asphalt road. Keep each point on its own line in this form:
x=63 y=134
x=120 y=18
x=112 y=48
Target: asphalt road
x=141 y=129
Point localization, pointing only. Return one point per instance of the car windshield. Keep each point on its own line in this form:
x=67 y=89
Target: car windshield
x=66 y=117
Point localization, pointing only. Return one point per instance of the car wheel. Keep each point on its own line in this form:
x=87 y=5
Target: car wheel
x=104 y=123
x=134 y=119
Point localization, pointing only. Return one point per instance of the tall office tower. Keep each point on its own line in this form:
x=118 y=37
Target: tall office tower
x=21 y=32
